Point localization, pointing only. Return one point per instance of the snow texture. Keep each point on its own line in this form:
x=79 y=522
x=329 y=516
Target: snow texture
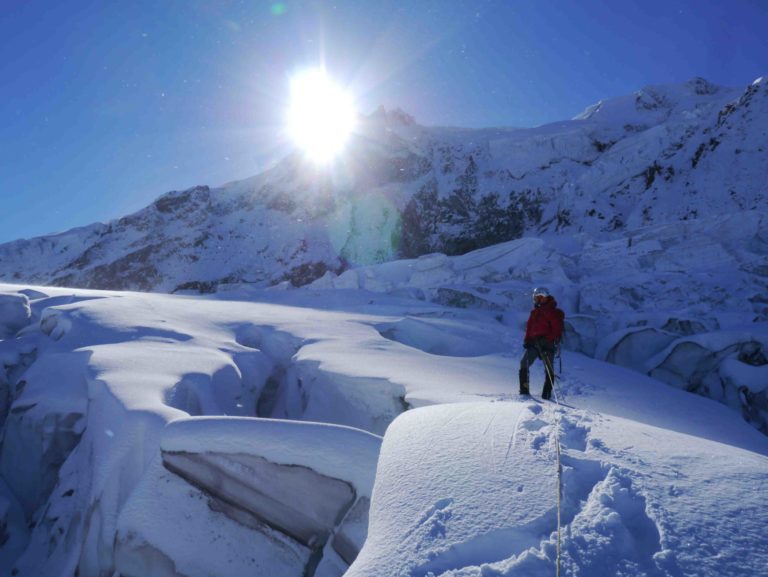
x=367 y=423
x=135 y=441
x=288 y=489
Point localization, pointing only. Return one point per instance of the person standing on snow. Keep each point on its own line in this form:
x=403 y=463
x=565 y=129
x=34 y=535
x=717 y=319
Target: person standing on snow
x=542 y=337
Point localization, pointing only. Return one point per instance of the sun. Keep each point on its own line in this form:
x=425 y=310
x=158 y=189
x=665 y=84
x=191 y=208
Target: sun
x=321 y=115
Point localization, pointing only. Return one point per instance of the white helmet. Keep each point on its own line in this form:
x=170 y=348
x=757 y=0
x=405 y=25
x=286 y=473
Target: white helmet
x=540 y=293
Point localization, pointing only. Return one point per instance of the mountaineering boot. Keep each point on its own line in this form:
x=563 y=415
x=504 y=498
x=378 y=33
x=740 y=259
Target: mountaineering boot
x=523 y=376
x=546 y=393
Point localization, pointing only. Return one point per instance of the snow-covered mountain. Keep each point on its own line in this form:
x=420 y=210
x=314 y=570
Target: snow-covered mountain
x=658 y=156
x=365 y=423
x=324 y=431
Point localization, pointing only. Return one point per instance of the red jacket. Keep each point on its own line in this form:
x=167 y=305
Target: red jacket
x=546 y=321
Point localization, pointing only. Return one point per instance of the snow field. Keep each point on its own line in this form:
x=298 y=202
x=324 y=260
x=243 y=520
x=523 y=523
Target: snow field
x=123 y=372
x=682 y=301
x=129 y=443
x=164 y=470
x=621 y=514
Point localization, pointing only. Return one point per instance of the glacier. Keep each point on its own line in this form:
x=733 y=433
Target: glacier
x=319 y=378
x=323 y=431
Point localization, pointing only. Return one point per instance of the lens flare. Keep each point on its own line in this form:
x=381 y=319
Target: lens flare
x=321 y=116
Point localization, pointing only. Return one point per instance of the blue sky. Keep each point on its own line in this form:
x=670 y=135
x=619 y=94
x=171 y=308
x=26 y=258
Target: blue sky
x=106 y=105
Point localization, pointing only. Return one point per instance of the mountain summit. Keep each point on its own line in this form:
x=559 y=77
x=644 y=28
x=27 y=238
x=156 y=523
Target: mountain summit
x=660 y=155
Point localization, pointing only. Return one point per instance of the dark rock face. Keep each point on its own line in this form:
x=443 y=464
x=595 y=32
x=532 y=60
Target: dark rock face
x=134 y=271
x=465 y=220
x=176 y=201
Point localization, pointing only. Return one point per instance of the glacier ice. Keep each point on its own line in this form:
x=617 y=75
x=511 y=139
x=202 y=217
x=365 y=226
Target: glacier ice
x=15 y=313
x=293 y=499
x=299 y=501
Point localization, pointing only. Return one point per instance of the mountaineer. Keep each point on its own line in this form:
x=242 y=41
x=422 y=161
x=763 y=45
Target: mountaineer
x=542 y=339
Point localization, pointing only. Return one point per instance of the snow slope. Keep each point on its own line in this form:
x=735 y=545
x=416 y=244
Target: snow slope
x=159 y=435
x=367 y=424
x=667 y=300
x=646 y=213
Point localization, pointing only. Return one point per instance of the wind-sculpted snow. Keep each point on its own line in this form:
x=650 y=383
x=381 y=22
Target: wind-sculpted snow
x=89 y=389
x=626 y=299
x=439 y=336
x=132 y=442
x=645 y=216
x=470 y=489
x=431 y=512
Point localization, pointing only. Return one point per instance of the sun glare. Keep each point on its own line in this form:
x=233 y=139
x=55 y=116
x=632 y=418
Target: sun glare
x=321 y=115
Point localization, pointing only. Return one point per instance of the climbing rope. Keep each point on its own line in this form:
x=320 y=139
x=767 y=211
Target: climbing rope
x=559 y=494
x=550 y=372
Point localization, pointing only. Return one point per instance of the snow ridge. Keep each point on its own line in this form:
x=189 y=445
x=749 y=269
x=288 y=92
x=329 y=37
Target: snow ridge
x=658 y=156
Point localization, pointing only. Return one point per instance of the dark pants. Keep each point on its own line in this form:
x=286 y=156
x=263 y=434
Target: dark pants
x=532 y=353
